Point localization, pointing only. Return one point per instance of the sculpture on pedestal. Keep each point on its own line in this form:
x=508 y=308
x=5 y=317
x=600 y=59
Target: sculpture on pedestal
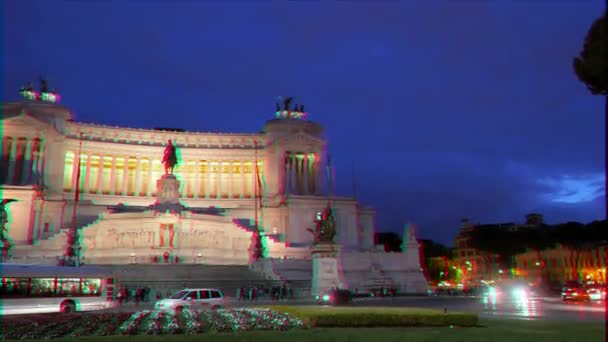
x=325 y=227
x=326 y=265
x=5 y=243
x=170 y=158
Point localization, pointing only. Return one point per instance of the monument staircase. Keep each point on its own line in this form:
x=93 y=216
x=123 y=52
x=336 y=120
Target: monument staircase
x=173 y=277
x=297 y=273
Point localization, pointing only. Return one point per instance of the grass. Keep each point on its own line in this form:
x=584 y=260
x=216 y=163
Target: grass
x=489 y=330
x=348 y=317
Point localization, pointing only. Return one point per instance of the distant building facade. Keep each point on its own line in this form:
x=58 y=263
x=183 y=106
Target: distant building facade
x=476 y=264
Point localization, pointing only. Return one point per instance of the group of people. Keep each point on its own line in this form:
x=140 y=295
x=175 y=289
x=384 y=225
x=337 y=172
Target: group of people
x=134 y=295
x=253 y=293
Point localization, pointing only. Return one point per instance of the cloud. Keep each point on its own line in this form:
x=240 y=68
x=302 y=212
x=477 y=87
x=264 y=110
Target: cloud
x=574 y=189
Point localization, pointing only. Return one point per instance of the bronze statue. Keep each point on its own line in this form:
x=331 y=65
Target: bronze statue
x=286 y=103
x=170 y=158
x=325 y=227
x=44 y=86
x=4 y=220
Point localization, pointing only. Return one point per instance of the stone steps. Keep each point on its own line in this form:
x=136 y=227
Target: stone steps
x=176 y=272
x=228 y=278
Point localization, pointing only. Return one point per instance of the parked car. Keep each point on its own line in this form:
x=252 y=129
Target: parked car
x=335 y=297
x=192 y=298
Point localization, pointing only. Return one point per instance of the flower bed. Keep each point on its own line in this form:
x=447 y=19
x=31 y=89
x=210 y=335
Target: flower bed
x=45 y=326
x=144 y=322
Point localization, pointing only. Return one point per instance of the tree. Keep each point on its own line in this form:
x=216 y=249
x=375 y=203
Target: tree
x=591 y=68
x=432 y=249
x=391 y=241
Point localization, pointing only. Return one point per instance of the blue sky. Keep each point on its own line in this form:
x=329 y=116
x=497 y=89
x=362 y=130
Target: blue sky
x=446 y=109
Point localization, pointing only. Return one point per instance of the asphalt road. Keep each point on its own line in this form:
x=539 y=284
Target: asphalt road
x=500 y=308
x=494 y=308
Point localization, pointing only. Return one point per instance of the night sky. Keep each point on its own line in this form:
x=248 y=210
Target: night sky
x=440 y=111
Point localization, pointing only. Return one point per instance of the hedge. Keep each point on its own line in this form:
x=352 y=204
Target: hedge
x=326 y=317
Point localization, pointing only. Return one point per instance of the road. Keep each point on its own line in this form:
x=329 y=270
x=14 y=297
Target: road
x=492 y=308
x=507 y=308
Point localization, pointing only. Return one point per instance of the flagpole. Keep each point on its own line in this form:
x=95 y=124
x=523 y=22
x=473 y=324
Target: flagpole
x=76 y=201
x=255 y=186
x=329 y=180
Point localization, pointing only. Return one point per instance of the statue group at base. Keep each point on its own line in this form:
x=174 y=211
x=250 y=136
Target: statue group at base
x=5 y=243
x=325 y=261
x=325 y=227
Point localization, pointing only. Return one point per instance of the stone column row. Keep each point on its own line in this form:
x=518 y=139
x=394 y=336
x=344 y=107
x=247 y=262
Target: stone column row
x=23 y=163
x=218 y=185
x=301 y=173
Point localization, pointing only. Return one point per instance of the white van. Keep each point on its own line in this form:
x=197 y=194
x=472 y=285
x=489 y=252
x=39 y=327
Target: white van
x=193 y=298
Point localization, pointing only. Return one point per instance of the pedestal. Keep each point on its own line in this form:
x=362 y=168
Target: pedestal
x=326 y=270
x=168 y=189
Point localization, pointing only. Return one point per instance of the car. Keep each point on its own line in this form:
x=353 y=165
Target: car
x=575 y=294
x=335 y=297
x=192 y=298
x=596 y=294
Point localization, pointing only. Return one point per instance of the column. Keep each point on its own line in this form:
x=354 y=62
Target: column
x=11 y=166
x=75 y=169
x=293 y=173
x=100 y=175
x=208 y=180
x=26 y=173
x=197 y=179
x=230 y=179
x=314 y=174
x=286 y=180
x=220 y=193
x=151 y=182
x=138 y=179
x=113 y=176
x=35 y=159
x=305 y=166
x=298 y=173
x=242 y=179
x=125 y=177
x=40 y=159
x=87 y=174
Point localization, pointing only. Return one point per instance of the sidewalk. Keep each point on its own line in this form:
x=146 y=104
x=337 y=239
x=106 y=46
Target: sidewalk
x=231 y=302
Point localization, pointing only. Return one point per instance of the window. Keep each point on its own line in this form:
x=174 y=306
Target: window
x=68 y=287
x=42 y=287
x=191 y=296
x=91 y=287
x=204 y=294
x=14 y=287
x=179 y=295
x=216 y=294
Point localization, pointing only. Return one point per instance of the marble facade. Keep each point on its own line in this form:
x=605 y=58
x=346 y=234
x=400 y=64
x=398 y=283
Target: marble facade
x=43 y=146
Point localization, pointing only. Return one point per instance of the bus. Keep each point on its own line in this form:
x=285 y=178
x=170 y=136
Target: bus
x=30 y=289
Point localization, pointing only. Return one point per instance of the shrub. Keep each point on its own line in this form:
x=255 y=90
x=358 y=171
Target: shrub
x=327 y=317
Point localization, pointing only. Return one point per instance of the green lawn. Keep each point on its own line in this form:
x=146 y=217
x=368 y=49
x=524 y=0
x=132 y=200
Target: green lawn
x=490 y=330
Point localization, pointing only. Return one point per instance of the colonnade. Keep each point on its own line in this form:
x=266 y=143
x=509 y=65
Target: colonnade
x=22 y=160
x=137 y=176
x=301 y=173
